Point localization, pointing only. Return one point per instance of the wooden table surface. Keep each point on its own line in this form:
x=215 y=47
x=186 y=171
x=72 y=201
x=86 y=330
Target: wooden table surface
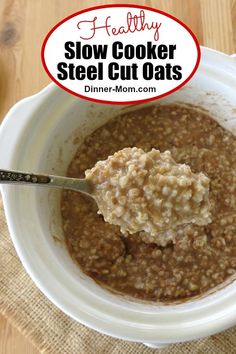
x=23 y=26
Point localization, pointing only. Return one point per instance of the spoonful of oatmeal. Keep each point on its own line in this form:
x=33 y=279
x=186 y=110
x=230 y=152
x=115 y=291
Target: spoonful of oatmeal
x=138 y=191
x=149 y=192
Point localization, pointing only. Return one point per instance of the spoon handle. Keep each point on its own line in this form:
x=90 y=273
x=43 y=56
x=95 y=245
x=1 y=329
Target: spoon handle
x=24 y=178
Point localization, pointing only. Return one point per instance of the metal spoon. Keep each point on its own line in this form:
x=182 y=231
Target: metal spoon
x=24 y=178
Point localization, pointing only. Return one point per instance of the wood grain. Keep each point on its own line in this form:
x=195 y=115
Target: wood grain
x=23 y=26
x=12 y=342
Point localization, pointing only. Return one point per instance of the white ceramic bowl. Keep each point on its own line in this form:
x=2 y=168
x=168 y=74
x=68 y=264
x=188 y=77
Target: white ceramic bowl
x=37 y=135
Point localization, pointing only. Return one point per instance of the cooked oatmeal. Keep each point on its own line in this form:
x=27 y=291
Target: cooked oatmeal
x=202 y=257
x=149 y=192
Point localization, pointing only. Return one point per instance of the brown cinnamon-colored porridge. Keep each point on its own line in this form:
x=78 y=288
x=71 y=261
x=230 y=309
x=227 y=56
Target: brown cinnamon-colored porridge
x=202 y=257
